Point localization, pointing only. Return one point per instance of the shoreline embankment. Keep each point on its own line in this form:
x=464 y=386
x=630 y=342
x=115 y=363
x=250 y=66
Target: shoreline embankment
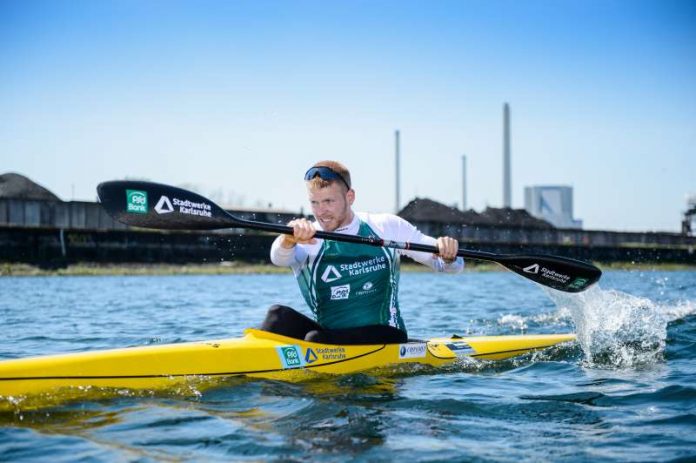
x=240 y=268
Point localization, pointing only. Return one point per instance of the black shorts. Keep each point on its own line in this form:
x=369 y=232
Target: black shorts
x=289 y=322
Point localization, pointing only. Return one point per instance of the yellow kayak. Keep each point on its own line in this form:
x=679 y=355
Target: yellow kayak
x=257 y=354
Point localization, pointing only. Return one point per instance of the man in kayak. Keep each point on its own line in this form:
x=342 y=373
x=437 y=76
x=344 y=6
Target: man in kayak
x=352 y=289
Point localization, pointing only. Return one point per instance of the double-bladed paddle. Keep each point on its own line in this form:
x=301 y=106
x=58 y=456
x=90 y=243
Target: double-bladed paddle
x=153 y=205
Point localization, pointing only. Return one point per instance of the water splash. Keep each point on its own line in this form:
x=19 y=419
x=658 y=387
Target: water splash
x=619 y=330
x=516 y=322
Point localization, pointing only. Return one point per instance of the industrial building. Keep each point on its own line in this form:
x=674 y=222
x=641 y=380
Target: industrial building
x=553 y=204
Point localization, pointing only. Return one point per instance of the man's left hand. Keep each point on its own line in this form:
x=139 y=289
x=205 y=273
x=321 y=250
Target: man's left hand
x=447 y=248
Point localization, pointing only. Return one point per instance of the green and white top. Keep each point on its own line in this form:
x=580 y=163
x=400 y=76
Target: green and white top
x=349 y=285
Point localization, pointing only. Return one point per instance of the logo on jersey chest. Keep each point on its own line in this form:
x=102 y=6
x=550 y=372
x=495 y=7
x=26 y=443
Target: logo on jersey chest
x=363 y=267
x=340 y=292
x=367 y=288
x=330 y=274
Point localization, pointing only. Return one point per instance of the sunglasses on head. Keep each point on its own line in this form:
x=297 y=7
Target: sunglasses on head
x=324 y=173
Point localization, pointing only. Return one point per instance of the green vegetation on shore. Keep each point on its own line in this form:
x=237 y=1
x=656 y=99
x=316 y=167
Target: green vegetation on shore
x=91 y=269
x=242 y=268
x=224 y=268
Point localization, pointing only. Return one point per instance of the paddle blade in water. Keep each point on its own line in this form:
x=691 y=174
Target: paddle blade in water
x=152 y=205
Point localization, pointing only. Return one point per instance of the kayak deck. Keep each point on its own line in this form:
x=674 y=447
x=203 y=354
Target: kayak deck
x=257 y=354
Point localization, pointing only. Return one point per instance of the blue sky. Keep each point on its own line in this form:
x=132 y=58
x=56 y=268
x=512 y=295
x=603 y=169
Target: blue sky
x=239 y=98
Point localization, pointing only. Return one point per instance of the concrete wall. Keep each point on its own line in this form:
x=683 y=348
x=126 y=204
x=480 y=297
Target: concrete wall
x=81 y=215
x=56 y=247
x=73 y=214
x=575 y=237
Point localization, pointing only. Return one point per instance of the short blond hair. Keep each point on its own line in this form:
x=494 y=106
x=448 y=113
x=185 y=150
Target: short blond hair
x=318 y=182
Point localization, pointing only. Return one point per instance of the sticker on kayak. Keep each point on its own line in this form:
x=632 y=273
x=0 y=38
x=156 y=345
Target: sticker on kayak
x=460 y=348
x=310 y=356
x=290 y=356
x=412 y=350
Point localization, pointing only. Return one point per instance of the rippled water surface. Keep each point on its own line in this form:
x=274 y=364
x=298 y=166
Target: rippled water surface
x=626 y=391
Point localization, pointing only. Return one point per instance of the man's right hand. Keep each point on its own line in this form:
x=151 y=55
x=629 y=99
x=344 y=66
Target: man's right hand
x=303 y=232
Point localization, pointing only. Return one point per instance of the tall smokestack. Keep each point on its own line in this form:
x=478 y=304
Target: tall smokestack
x=463 y=183
x=398 y=181
x=507 y=187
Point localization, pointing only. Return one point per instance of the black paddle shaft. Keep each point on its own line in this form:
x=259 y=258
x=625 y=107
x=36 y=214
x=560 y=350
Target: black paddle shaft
x=153 y=205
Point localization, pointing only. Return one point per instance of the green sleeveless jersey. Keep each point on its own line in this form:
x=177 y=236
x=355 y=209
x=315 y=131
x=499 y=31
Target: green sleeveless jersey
x=350 y=285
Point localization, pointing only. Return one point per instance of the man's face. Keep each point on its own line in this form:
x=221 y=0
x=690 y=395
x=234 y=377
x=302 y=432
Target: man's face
x=331 y=205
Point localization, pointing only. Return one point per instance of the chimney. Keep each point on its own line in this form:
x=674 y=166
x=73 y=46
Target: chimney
x=464 y=183
x=507 y=182
x=398 y=181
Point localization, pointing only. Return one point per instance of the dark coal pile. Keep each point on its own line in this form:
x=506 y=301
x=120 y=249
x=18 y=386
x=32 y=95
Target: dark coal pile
x=16 y=186
x=427 y=210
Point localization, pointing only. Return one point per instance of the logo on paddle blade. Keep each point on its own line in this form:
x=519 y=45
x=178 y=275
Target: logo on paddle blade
x=136 y=201
x=164 y=206
x=534 y=268
x=579 y=283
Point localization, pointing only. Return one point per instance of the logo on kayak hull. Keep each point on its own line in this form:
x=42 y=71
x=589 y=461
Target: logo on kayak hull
x=310 y=356
x=290 y=356
x=460 y=348
x=412 y=350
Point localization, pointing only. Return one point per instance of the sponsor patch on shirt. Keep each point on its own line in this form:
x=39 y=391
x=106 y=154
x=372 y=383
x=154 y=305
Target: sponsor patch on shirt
x=340 y=292
x=362 y=267
x=330 y=274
